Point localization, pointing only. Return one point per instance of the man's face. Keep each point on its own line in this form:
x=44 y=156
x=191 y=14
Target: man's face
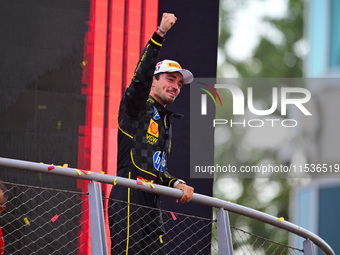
x=167 y=87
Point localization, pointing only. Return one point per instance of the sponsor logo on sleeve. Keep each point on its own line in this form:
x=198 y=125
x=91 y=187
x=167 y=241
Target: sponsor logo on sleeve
x=156 y=115
x=159 y=161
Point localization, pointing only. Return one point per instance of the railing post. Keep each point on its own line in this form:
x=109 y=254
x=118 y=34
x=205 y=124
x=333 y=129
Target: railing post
x=225 y=243
x=97 y=223
x=308 y=247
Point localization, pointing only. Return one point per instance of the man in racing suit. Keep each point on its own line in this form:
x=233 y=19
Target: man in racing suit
x=144 y=141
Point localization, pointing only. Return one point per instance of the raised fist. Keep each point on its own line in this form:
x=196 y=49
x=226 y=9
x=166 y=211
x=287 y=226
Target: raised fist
x=168 y=20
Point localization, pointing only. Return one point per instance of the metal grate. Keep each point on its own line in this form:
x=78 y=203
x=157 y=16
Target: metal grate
x=182 y=234
x=247 y=243
x=49 y=221
x=44 y=221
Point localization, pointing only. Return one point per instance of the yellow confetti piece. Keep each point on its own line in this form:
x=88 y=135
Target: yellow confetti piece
x=115 y=182
x=79 y=173
x=27 y=221
x=59 y=166
x=281 y=219
x=41 y=163
x=151 y=184
x=88 y=172
x=160 y=238
x=65 y=165
x=42 y=107
x=102 y=172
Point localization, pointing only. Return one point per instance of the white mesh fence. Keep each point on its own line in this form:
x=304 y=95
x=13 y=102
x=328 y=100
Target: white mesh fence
x=44 y=221
x=183 y=234
x=49 y=221
x=246 y=243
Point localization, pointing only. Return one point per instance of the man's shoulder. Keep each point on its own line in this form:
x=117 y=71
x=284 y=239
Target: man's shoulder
x=143 y=109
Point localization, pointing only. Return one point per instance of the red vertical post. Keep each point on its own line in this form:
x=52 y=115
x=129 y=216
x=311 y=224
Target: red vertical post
x=110 y=57
x=90 y=150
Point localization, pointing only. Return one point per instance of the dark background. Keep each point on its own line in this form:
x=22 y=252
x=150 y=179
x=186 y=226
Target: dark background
x=41 y=108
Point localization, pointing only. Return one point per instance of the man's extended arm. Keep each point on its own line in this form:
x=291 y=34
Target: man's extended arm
x=138 y=91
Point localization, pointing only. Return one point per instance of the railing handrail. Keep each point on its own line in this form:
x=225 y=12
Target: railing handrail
x=170 y=192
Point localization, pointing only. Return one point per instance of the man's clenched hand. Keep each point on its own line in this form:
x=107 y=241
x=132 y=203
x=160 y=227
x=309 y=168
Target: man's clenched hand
x=168 y=20
x=188 y=192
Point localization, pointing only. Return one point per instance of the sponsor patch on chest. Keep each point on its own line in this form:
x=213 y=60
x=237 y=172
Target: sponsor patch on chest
x=152 y=134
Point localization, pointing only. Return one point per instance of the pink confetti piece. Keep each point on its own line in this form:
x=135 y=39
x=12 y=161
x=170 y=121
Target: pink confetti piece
x=140 y=183
x=50 y=168
x=85 y=172
x=173 y=216
x=55 y=218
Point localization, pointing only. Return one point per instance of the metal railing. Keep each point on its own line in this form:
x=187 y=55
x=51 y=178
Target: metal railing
x=44 y=221
x=40 y=230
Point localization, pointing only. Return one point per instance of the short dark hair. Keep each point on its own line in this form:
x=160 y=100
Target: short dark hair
x=157 y=76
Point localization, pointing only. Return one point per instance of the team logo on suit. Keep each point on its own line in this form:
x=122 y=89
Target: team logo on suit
x=156 y=115
x=152 y=134
x=159 y=161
